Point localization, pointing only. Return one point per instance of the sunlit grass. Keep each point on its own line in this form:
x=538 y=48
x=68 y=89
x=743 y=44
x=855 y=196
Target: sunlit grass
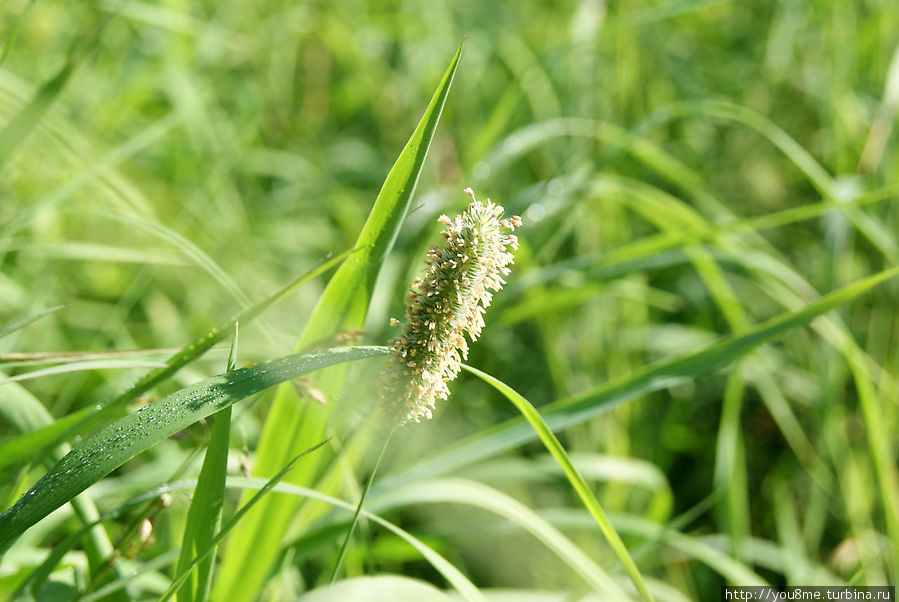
x=701 y=309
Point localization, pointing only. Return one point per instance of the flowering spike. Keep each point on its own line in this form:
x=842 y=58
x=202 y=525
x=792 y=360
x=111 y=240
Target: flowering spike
x=446 y=301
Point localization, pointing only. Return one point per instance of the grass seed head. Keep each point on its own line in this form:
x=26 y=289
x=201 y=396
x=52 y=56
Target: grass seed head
x=448 y=300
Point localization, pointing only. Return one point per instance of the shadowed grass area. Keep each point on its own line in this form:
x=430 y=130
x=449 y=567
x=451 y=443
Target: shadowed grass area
x=708 y=195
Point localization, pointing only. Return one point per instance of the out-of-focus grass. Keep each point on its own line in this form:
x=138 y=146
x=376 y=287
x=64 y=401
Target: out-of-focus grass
x=668 y=159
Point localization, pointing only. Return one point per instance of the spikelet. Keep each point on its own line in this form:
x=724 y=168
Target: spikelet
x=448 y=300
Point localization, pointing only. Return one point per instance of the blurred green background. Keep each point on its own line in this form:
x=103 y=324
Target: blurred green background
x=162 y=163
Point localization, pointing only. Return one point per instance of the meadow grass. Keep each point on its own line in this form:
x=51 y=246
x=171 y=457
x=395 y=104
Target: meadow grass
x=690 y=379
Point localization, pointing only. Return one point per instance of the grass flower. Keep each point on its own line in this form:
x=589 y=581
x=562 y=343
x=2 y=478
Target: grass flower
x=447 y=301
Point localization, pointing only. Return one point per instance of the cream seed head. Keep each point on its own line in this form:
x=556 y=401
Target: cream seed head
x=446 y=302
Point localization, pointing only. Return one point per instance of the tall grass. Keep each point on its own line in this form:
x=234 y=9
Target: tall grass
x=700 y=328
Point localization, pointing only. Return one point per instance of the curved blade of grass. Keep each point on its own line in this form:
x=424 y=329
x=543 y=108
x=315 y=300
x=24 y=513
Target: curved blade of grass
x=716 y=559
x=36 y=443
x=879 y=446
x=254 y=547
x=463 y=491
x=24 y=413
x=579 y=408
x=614 y=470
x=97 y=456
x=19 y=324
x=378 y=588
x=184 y=245
x=21 y=410
x=552 y=444
x=205 y=513
x=203 y=551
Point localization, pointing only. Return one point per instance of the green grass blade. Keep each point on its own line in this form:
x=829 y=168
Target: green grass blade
x=15 y=132
x=880 y=448
x=18 y=129
x=112 y=446
x=253 y=547
x=579 y=408
x=205 y=513
x=96 y=171
x=186 y=246
x=231 y=364
x=345 y=300
x=36 y=443
x=873 y=230
x=649 y=252
x=349 y=532
x=19 y=324
x=11 y=36
x=613 y=470
x=204 y=551
x=552 y=444
x=22 y=410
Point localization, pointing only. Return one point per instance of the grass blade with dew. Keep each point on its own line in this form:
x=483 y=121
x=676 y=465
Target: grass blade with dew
x=36 y=443
x=100 y=454
x=205 y=513
x=552 y=444
x=25 y=413
x=254 y=547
